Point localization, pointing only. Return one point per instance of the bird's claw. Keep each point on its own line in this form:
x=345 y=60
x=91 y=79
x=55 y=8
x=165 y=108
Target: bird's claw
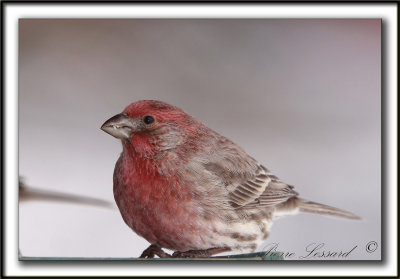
x=154 y=250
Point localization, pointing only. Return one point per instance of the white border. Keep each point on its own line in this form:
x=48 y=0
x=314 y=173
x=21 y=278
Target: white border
x=15 y=11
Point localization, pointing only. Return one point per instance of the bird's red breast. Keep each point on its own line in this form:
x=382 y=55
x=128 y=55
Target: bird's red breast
x=157 y=206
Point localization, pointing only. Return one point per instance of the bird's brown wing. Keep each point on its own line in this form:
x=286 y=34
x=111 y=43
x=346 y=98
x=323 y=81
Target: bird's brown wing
x=262 y=190
x=250 y=189
x=248 y=183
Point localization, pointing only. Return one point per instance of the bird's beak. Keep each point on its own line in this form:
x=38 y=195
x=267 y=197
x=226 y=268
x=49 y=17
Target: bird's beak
x=119 y=126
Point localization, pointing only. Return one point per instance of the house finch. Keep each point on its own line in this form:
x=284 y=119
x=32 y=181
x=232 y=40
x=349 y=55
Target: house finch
x=184 y=187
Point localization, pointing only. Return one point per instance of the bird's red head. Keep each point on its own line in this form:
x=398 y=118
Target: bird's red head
x=160 y=111
x=151 y=126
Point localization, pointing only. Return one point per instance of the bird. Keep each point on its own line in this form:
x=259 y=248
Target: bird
x=184 y=187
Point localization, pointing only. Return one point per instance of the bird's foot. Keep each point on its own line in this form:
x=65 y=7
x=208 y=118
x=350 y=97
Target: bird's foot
x=154 y=250
x=200 y=253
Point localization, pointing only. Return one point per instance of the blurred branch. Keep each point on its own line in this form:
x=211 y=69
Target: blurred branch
x=33 y=194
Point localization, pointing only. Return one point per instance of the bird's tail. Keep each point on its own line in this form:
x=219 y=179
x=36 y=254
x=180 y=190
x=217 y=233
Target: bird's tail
x=317 y=208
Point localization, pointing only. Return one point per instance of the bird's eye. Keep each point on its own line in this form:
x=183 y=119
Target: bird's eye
x=148 y=119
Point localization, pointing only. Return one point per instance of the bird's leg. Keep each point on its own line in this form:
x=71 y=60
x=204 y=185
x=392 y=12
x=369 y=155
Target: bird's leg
x=200 y=253
x=154 y=250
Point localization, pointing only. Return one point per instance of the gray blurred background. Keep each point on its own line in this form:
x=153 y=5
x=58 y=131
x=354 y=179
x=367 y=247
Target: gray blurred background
x=301 y=96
